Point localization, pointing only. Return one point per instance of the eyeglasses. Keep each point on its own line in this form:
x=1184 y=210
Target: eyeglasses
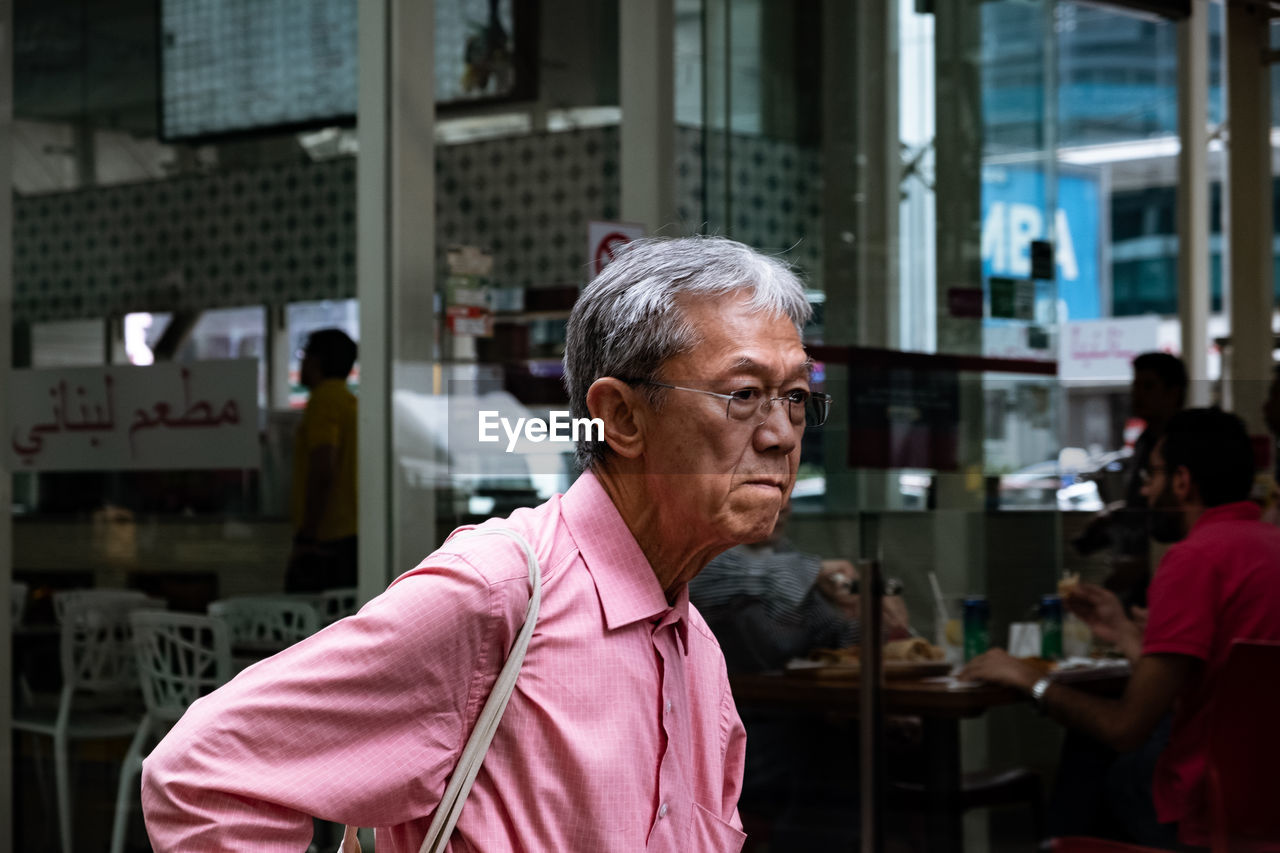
x=803 y=407
x=1147 y=474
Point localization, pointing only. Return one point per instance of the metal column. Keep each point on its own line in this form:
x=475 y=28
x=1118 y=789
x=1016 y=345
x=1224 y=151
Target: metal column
x=1193 y=198
x=1250 y=235
x=6 y=474
x=395 y=248
x=646 y=85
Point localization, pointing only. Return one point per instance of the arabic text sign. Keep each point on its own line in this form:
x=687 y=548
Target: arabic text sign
x=174 y=416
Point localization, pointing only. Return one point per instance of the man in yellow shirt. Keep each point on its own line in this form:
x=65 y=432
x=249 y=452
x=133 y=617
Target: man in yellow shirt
x=324 y=469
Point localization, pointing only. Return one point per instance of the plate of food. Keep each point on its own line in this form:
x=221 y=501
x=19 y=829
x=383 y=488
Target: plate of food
x=910 y=658
x=1079 y=668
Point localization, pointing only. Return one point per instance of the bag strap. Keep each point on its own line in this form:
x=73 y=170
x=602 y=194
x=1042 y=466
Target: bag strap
x=464 y=775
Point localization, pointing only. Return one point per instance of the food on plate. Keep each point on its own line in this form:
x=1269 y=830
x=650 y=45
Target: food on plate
x=847 y=655
x=1044 y=665
x=1068 y=585
x=914 y=650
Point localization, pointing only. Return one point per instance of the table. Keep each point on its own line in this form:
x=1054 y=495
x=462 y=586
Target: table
x=940 y=703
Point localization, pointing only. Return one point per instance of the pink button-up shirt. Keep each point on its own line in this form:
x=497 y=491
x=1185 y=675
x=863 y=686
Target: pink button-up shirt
x=621 y=733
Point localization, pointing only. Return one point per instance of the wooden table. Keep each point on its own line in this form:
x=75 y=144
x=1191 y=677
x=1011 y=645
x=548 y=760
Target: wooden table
x=940 y=703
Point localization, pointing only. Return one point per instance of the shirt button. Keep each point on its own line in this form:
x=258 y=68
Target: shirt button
x=662 y=811
x=667 y=708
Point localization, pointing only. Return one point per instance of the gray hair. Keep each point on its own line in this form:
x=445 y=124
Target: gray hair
x=627 y=323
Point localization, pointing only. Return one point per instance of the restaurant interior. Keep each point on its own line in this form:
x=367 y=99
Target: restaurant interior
x=994 y=205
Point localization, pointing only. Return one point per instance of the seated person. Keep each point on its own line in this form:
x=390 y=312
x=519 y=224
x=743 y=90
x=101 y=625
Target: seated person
x=767 y=603
x=1220 y=583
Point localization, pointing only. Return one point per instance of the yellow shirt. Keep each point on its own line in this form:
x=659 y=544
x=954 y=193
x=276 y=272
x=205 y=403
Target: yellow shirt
x=328 y=421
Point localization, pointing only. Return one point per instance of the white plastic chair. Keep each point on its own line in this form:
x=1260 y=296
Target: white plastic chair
x=180 y=657
x=335 y=604
x=64 y=599
x=97 y=663
x=19 y=591
x=264 y=625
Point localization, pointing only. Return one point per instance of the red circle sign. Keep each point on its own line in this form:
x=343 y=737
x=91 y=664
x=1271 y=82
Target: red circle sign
x=606 y=249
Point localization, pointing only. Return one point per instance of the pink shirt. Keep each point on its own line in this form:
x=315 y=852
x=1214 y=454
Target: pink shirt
x=1220 y=584
x=621 y=734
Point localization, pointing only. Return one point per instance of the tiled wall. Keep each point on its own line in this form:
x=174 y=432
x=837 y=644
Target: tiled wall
x=287 y=232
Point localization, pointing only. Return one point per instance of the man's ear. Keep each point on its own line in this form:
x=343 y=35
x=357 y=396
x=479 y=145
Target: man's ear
x=624 y=412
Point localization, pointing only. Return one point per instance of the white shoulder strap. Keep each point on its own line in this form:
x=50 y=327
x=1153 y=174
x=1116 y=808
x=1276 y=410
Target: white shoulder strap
x=464 y=775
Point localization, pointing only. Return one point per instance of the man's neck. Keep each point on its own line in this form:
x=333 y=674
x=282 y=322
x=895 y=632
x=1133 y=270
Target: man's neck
x=666 y=543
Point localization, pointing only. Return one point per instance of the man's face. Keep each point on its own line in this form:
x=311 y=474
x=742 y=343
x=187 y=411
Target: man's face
x=1150 y=399
x=726 y=480
x=1164 y=520
x=309 y=370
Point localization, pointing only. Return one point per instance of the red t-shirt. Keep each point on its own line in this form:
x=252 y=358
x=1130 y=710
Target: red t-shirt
x=1221 y=583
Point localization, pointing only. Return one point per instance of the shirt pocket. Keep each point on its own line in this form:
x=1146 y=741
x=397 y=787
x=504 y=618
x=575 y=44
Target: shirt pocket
x=713 y=835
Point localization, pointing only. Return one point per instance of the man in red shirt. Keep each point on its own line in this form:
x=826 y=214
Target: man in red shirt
x=1220 y=583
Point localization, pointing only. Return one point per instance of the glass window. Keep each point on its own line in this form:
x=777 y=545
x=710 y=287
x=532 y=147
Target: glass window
x=68 y=343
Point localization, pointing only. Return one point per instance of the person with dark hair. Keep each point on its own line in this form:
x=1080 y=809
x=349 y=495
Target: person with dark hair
x=1219 y=583
x=324 y=502
x=1157 y=393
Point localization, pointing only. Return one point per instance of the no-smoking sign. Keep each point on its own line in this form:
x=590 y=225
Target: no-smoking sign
x=605 y=239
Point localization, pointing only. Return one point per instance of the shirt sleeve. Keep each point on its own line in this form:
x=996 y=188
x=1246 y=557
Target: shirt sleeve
x=1182 y=601
x=361 y=723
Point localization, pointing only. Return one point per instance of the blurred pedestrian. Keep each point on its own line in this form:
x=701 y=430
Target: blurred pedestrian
x=324 y=503
x=1157 y=393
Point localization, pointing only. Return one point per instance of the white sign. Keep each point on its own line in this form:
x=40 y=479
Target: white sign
x=1103 y=350
x=165 y=416
x=604 y=239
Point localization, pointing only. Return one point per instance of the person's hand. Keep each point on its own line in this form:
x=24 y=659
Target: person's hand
x=834 y=580
x=999 y=667
x=1139 y=616
x=1101 y=610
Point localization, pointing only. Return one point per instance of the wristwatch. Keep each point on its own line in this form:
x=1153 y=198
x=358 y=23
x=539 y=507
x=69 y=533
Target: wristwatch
x=1037 y=693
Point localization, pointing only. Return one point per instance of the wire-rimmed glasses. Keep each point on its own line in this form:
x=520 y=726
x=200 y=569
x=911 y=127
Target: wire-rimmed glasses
x=809 y=408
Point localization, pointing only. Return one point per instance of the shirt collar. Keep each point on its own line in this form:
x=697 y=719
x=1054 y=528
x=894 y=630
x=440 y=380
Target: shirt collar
x=628 y=588
x=1237 y=511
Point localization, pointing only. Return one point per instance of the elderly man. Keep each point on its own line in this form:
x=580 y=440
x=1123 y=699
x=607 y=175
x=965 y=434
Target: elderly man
x=621 y=733
x=1221 y=582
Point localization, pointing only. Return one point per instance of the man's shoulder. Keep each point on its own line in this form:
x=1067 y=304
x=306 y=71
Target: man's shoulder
x=331 y=393
x=1231 y=537
x=497 y=557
